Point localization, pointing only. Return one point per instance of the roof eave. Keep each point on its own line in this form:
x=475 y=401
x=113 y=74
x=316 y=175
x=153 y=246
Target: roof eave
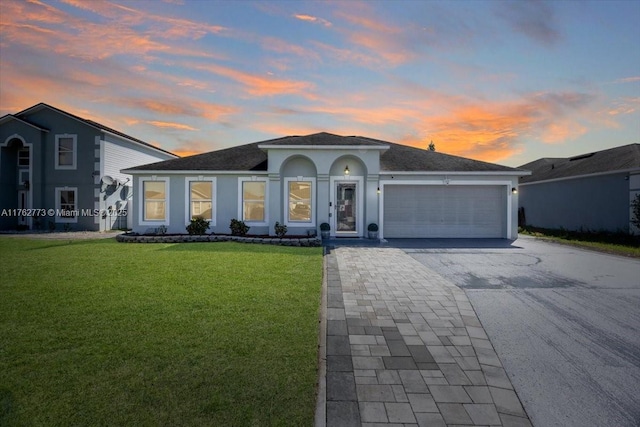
x=192 y=172
x=589 y=175
x=322 y=147
x=94 y=125
x=8 y=117
x=497 y=172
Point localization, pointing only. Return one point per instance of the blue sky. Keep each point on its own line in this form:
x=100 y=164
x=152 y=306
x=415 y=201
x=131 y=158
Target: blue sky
x=506 y=82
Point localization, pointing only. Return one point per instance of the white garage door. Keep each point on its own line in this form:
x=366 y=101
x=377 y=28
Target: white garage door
x=444 y=211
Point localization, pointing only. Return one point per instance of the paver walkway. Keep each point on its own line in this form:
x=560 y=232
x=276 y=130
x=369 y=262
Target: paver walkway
x=405 y=348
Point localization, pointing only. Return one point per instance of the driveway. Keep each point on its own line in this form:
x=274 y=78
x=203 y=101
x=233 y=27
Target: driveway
x=564 y=321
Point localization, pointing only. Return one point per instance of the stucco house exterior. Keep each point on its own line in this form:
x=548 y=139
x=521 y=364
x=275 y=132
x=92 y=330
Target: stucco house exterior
x=60 y=171
x=345 y=181
x=588 y=192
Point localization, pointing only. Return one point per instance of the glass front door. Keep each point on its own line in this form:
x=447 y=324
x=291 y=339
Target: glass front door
x=346 y=206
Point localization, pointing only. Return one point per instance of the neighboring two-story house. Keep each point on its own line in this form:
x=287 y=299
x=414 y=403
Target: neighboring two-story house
x=60 y=171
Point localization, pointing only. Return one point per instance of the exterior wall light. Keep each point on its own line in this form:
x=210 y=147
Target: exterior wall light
x=346 y=170
x=378 y=191
x=514 y=190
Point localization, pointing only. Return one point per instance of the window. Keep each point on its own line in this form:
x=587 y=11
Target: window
x=200 y=198
x=66 y=151
x=155 y=200
x=253 y=193
x=66 y=204
x=23 y=158
x=154 y=208
x=299 y=203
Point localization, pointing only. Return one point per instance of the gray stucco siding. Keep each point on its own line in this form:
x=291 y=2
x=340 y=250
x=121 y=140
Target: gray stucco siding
x=590 y=203
x=225 y=203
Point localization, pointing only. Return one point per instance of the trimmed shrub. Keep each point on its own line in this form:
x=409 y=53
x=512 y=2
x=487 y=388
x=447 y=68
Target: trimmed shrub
x=280 y=229
x=198 y=226
x=238 y=228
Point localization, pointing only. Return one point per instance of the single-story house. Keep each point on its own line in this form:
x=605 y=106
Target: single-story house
x=347 y=182
x=589 y=192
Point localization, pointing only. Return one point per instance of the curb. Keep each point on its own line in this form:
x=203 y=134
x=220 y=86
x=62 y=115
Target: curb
x=320 y=419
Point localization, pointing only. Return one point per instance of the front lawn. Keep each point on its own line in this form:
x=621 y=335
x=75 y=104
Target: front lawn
x=103 y=333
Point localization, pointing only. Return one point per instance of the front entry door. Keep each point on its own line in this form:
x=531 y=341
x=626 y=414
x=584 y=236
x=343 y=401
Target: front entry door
x=22 y=205
x=346 y=208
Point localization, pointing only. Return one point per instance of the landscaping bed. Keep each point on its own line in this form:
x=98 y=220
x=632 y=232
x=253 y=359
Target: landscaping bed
x=186 y=238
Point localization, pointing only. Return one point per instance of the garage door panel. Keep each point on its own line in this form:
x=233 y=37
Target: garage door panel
x=444 y=211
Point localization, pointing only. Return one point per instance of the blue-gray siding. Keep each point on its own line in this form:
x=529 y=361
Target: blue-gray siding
x=594 y=203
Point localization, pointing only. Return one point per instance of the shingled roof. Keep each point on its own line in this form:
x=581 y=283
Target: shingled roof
x=621 y=158
x=393 y=158
x=23 y=116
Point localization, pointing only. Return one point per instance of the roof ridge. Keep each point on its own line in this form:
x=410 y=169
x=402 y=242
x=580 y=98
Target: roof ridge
x=92 y=123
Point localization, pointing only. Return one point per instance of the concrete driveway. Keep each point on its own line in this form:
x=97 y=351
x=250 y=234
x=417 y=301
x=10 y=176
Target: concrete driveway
x=565 y=322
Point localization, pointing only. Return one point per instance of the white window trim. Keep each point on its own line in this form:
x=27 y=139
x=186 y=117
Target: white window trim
x=56 y=155
x=187 y=198
x=241 y=180
x=60 y=219
x=167 y=207
x=288 y=223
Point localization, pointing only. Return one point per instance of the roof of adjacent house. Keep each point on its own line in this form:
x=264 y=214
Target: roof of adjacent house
x=393 y=158
x=621 y=158
x=22 y=116
x=8 y=117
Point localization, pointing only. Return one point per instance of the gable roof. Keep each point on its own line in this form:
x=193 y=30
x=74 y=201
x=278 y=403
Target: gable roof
x=393 y=158
x=624 y=158
x=22 y=115
x=9 y=117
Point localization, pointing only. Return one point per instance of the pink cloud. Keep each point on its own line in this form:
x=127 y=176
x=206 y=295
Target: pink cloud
x=280 y=46
x=171 y=125
x=628 y=80
x=258 y=85
x=389 y=42
x=314 y=19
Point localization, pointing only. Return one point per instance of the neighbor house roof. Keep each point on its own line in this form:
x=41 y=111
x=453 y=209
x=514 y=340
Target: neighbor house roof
x=393 y=158
x=22 y=115
x=10 y=117
x=624 y=158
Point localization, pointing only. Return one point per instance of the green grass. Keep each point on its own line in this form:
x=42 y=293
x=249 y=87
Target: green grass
x=104 y=333
x=613 y=243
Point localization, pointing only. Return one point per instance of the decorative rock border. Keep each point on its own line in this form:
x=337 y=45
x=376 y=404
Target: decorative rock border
x=186 y=238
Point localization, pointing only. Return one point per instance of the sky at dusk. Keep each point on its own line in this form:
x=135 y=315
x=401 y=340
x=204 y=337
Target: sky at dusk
x=505 y=82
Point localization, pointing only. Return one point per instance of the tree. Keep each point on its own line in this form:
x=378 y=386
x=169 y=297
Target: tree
x=432 y=146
